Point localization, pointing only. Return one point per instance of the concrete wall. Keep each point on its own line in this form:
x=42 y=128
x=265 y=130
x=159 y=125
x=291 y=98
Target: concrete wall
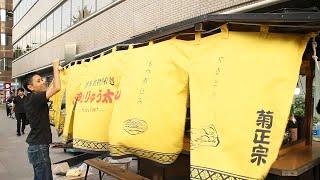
x=119 y=23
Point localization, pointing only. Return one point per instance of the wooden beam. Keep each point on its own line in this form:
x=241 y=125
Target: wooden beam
x=309 y=103
x=305 y=67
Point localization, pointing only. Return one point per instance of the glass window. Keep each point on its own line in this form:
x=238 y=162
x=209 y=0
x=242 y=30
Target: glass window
x=23 y=45
x=16 y=50
x=76 y=11
x=2 y=62
x=33 y=2
x=14 y=17
x=3 y=39
x=21 y=10
x=89 y=7
x=28 y=47
x=9 y=40
x=20 y=48
x=8 y=64
x=5 y=63
x=32 y=38
x=50 y=26
x=23 y=7
x=17 y=11
x=26 y=7
x=103 y=3
x=37 y=35
x=15 y=2
x=14 y=47
x=29 y=4
x=3 y=14
x=57 y=21
x=66 y=15
x=43 y=29
x=19 y=45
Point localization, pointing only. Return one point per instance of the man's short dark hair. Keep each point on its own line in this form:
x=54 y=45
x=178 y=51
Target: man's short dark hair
x=20 y=89
x=27 y=80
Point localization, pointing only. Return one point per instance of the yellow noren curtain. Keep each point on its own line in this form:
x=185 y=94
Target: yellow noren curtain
x=95 y=100
x=241 y=88
x=56 y=102
x=73 y=73
x=148 y=120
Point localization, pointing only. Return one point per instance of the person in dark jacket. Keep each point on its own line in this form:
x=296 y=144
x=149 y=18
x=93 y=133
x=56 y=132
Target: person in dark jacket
x=8 y=105
x=18 y=108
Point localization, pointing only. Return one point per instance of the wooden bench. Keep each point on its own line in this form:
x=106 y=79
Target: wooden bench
x=111 y=170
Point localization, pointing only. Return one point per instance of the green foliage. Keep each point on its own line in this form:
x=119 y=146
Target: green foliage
x=298 y=106
x=18 y=52
x=315 y=120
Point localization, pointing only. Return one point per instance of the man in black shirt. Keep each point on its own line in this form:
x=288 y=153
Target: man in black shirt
x=37 y=112
x=18 y=108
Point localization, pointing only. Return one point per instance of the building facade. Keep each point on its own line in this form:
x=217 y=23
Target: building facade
x=6 y=53
x=43 y=28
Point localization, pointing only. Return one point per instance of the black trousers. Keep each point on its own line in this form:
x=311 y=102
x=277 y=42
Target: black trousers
x=21 y=118
x=8 y=111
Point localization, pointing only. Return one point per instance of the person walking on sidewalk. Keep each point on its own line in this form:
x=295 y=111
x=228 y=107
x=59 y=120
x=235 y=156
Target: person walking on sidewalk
x=37 y=112
x=8 y=105
x=18 y=108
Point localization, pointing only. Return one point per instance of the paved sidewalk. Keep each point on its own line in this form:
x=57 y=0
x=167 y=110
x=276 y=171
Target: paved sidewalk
x=14 y=163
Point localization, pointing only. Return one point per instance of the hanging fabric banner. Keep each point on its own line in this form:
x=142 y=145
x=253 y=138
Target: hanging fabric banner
x=148 y=120
x=73 y=74
x=56 y=110
x=241 y=89
x=99 y=90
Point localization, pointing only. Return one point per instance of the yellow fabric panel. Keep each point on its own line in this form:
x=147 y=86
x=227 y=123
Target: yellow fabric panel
x=98 y=93
x=56 y=101
x=148 y=120
x=73 y=73
x=241 y=89
x=51 y=110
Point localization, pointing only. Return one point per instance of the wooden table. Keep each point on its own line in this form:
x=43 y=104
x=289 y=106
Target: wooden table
x=297 y=161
